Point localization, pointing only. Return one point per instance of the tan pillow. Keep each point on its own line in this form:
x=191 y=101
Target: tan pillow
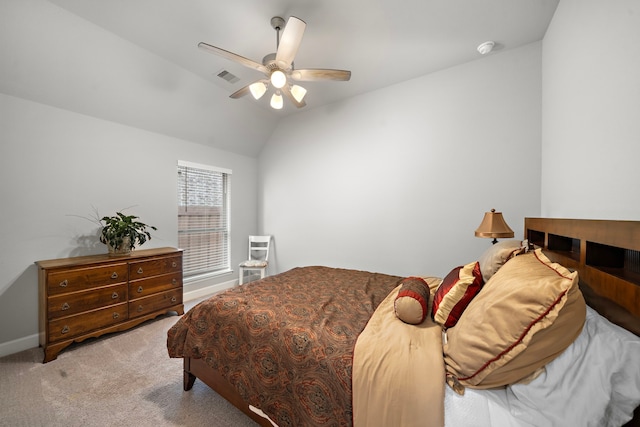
x=495 y=257
x=526 y=315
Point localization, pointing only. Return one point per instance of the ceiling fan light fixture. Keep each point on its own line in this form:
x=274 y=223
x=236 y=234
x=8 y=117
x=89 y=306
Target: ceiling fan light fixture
x=298 y=92
x=278 y=79
x=278 y=66
x=258 y=89
x=276 y=101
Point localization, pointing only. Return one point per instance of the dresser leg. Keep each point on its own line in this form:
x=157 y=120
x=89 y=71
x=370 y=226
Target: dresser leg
x=180 y=310
x=50 y=354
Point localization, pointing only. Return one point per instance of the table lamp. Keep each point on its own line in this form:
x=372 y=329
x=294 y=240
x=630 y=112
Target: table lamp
x=493 y=226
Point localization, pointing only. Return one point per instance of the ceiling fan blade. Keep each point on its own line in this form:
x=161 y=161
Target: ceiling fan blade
x=312 y=75
x=290 y=41
x=233 y=57
x=240 y=92
x=247 y=89
x=289 y=95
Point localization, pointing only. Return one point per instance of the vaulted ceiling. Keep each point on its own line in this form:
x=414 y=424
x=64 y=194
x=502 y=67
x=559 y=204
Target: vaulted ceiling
x=382 y=42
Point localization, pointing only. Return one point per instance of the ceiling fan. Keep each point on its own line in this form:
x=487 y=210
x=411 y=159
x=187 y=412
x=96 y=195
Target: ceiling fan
x=278 y=67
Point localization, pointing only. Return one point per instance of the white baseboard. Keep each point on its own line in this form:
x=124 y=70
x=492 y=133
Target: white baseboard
x=31 y=341
x=21 y=344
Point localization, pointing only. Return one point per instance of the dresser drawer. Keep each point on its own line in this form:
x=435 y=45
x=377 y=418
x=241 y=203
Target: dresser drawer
x=142 y=306
x=77 y=302
x=79 y=279
x=72 y=326
x=154 y=267
x=144 y=287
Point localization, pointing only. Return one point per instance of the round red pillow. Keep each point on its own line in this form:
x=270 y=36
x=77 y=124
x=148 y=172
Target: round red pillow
x=412 y=300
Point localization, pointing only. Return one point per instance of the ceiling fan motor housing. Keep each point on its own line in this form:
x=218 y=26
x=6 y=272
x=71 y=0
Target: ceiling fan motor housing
x=269 y=61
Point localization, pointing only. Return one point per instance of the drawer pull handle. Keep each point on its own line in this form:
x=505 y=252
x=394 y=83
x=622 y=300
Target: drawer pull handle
x=116 y=315
x=174 y=299
x=174 y=281
x=174 y=264
x=114 y=295
x=66 y=306
x=140 y=289
x=114 y=275
x=64 y=283
x=140 y=270
x=140 y=308
x=65 y=329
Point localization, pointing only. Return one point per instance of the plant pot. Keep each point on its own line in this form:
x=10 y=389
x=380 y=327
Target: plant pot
x=123 y=250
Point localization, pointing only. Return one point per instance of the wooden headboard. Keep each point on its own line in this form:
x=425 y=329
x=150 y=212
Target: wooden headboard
x=606 y=255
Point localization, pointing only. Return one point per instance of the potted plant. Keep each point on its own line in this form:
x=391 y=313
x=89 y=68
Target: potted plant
x=121 y=233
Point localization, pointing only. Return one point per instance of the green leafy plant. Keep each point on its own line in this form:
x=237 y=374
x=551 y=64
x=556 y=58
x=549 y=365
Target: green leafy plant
x=120 y=230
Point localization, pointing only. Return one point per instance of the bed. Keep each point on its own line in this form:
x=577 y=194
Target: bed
x=312 y=346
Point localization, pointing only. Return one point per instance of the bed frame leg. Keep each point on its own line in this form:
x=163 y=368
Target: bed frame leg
x=189 y=378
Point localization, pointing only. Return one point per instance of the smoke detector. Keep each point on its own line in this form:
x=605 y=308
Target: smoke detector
x=486 y=47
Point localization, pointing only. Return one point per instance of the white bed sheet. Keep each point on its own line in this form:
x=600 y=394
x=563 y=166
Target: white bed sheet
x=478 y=408
x=595 y=382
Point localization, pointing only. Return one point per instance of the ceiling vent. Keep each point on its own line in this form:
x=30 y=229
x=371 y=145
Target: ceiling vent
x=225 y=75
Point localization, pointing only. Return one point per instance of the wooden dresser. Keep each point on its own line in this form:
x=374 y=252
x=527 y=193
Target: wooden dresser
x=88 y=296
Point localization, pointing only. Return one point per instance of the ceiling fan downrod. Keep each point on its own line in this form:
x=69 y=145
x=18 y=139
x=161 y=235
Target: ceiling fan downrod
x=277 y=23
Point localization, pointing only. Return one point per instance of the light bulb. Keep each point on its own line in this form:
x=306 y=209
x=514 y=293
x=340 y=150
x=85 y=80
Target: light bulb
x=278 y=79
x=276 y=101
x=298 y=92
x=258 y=89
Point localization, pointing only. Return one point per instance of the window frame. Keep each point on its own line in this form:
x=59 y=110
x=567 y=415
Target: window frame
x=226 y=215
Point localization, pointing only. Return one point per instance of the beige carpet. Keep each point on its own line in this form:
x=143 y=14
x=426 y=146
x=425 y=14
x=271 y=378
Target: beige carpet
x=122 y=379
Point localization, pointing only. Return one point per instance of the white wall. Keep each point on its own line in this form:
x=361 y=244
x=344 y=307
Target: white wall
x=397 y=180
x=88 y=119
x=591 y=111
x=54 y=57
x=56 y=165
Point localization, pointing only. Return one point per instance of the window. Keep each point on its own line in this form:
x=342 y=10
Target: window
x=203 y=218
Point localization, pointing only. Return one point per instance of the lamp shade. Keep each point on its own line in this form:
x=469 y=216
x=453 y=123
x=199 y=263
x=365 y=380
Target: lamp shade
x=258 y=89
x=493 y=226
x=298 y=92
x=276 y=101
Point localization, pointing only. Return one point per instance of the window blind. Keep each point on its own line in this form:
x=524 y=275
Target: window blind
x=203 y=218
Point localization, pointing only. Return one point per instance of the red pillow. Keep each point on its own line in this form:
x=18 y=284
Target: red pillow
x=412 y=300
x=455 y=293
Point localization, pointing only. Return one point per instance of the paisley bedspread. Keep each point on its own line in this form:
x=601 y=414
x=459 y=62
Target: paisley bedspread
x=286 y=342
